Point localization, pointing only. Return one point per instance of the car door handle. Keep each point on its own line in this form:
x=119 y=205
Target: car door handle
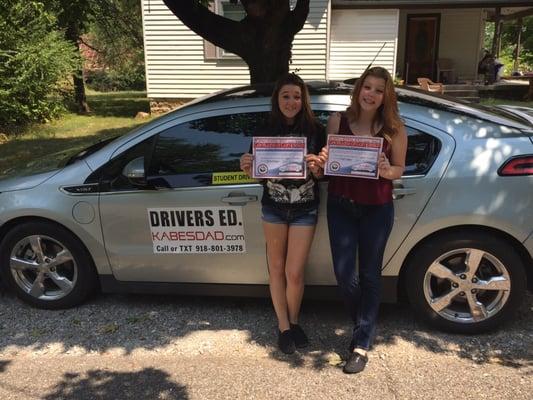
x=239 y=199
x=399 y=192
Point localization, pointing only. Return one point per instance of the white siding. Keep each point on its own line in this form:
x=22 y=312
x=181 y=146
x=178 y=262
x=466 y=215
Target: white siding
x=357 y=36
x=175 y=64
x=459 y=38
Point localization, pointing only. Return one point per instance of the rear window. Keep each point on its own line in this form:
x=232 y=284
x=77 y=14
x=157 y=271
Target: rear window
x=457 y=106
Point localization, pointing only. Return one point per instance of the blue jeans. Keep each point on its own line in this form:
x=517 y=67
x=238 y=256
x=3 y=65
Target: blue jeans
x=365 y=229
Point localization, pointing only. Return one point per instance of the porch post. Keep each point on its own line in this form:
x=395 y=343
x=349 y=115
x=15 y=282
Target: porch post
x=496 y=40
x=517 y=50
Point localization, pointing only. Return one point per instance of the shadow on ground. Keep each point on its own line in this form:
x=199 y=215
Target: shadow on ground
x=146 y=384
x=130 y=322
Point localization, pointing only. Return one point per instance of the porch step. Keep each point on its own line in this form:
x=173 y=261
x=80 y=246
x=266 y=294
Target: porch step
x=463 y=92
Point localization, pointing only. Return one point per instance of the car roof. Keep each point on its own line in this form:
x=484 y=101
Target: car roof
x=405 y=94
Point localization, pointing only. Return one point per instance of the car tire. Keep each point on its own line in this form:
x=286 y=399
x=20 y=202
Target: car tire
x=465 y=281
x=46 y=265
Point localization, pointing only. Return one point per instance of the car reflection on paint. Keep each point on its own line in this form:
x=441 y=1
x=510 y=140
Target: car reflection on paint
x=148 y=212
x=290 y=168
x=363 y=167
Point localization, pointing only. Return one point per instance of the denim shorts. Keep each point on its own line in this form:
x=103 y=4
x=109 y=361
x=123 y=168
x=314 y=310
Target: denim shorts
x=297 y=216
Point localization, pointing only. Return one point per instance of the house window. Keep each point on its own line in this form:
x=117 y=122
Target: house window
x=233 y=11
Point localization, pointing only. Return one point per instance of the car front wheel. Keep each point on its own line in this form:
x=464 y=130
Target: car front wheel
x=466 y=282
x=46 y=266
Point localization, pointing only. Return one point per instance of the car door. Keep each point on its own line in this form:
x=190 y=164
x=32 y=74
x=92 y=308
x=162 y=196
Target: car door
x=428 y=154
x=200 y=221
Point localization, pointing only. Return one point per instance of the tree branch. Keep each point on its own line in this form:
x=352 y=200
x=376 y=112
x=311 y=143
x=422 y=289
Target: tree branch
x=299 y=15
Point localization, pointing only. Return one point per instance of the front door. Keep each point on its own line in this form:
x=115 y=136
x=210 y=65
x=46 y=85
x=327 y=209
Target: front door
x=421 y=48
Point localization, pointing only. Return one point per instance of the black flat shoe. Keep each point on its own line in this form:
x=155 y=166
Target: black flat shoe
x=355 y=364
x=286 y=342
x=299 y=336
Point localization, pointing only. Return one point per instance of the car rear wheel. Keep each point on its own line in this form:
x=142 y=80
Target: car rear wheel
x=46 y=266
x=466 y=282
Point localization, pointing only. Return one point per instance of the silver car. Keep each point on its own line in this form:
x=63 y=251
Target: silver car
x=165 y=209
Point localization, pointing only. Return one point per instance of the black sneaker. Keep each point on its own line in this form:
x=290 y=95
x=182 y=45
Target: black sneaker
x=299 y=336
x=356 y=363
x=286 y=342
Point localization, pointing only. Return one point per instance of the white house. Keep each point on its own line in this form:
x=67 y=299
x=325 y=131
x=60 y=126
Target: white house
x=339 y=39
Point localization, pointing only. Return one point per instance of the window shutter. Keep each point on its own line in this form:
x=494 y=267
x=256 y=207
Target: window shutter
x=210 y=50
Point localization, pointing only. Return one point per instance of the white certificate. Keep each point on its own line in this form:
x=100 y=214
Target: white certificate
x=279 y=157
x=355 y=156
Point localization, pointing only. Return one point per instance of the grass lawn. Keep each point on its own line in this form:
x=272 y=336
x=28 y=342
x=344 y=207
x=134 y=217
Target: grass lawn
x=112 y=114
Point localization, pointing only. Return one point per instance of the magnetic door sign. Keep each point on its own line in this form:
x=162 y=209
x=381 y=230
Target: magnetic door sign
x=192 y=230
x=279 y=157
x=230 y=178
x=355 y=156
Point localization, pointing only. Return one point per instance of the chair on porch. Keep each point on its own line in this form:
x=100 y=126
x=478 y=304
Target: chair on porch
x=446 y=69
x=430 y=86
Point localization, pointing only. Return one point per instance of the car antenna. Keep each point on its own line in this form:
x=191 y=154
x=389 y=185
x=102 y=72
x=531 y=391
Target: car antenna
x=351 y=81
x=376 y=56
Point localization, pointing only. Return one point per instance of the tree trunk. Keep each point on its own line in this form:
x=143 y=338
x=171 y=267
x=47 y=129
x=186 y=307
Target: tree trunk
x=80 y=98
x=263 y=39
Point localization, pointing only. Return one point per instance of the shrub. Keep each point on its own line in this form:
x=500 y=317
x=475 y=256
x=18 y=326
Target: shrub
x=35 y=60
x=127 y=78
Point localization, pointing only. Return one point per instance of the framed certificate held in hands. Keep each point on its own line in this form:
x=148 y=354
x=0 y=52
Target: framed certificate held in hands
x=355 y=156
x=279 y=157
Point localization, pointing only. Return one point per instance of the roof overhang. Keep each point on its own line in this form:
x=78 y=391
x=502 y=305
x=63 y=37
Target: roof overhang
x=428 y=3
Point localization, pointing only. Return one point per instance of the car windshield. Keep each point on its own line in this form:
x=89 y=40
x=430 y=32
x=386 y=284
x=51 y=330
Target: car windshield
x=76 y=155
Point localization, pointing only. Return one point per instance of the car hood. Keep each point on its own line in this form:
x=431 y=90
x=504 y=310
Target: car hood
x=25 y=182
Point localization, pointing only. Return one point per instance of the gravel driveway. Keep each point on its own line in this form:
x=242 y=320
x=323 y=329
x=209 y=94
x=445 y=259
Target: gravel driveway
x=155 y=347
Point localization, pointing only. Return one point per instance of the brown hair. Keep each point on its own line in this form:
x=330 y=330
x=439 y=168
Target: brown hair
x=305 y=120
x=387 y=114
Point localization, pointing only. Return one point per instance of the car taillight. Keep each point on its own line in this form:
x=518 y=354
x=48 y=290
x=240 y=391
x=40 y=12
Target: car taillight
x=516 y=166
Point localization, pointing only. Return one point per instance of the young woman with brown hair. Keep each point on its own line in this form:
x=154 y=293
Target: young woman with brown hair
x=290 y=208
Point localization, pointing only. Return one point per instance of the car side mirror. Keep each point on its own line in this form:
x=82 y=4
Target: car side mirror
x=134 y=171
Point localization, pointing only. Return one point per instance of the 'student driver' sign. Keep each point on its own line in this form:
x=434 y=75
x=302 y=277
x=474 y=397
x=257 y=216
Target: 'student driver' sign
x=191 y=230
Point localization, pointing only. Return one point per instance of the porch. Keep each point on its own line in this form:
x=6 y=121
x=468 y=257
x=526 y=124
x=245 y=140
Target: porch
x=514 y=90
x=439 y=40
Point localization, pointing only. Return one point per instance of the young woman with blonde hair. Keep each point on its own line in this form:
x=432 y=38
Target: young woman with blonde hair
x=360 y=210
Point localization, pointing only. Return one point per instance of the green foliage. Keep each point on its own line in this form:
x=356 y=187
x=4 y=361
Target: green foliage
x=116 y=34
x=34 y=61
x=509 y=40
x=124 y=78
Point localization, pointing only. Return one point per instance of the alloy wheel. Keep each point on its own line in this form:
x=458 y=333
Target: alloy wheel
x=43 y=267
x=467 y=285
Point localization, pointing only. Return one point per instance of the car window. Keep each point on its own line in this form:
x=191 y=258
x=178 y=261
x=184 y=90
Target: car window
x=422 y=150
x=110 y=174
x=189 y=153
